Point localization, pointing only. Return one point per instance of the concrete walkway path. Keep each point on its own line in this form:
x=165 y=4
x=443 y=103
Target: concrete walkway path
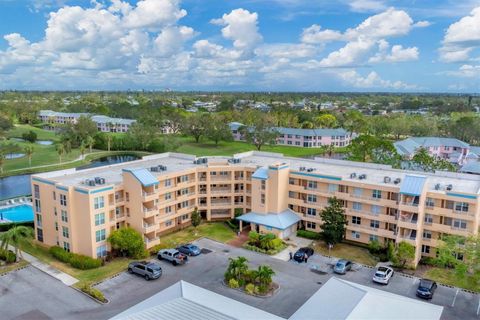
x=48 y=269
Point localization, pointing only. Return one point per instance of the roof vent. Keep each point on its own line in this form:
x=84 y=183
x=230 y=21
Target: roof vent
x=90 y=183
x=303 y=168
x=162 y=168
x=353 y=175
x=449 y=187
x=362 y=177
x=397 y=181
x=310 y=169
x=154 y=169
x=387 y=179
x=234 y=160
x=437 y=186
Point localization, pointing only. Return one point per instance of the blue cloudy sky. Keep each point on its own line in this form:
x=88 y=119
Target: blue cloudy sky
x=260 y=45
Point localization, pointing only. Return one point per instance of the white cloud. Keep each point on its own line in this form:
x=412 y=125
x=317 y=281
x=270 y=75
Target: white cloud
x=466 y=71
x=314 y=34
x=461 y=38
x=353 y=53
x=396 y=53
x=240 y=26
x=372 y=80
x=171 y=40
x=153 y=14
x=366 y=5
x=422 y=24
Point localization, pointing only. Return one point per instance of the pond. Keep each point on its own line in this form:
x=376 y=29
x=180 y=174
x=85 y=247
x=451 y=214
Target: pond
x=44 y=142
x=11 y=156
x=336 y=156
x=16 y=186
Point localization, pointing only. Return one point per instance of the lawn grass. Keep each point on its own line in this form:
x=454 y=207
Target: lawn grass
x=346 y=251
x=449 y=277
x=12 y=266
x=19 y=129
x=208 y=148
x=214 y=230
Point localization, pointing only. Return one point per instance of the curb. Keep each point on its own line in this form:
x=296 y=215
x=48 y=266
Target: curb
x=253 y=295
x=94 y=299
x=14 y=270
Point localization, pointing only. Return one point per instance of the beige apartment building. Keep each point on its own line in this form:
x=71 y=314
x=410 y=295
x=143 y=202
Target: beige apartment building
x=77 y=210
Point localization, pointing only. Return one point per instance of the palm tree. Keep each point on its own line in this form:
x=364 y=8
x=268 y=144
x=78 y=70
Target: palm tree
x=237 y=267
x=82 y=149
x=16 y=237
x=2 y=161
x=264 y=274
x=109 y=141
x=60 y=151
x=29 y=149
x=89 y=142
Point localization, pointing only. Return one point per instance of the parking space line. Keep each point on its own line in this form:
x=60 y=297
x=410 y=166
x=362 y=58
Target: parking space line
x=455 y=298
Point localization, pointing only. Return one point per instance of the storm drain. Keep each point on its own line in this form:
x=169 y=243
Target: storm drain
x=226 y=251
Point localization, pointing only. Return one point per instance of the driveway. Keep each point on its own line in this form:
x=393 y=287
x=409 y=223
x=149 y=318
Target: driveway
x=31 y=294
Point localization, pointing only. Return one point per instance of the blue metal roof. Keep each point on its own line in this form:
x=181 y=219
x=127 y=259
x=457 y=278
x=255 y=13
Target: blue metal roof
x=280 y=221
x=472 y=167
x=145 y=177
x=412 y=185
x=261 y=173
x=410 y=145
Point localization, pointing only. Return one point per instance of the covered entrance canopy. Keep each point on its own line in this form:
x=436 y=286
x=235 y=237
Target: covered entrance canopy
x=280 y=221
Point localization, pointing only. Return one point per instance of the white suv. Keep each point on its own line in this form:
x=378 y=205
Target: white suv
x=382 y=275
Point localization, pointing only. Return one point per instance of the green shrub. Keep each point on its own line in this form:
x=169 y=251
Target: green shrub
x=60 y=254
x=232 y=283
x=374 y=247
x=93 y=292
x=83 y=262
x=250 y=288
x=277 y=243
x=308 y=234
x=8 y=256
x=232 y=225
x=262 y=288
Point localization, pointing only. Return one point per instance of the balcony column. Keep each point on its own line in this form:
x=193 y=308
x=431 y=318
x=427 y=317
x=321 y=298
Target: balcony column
x=240 y=227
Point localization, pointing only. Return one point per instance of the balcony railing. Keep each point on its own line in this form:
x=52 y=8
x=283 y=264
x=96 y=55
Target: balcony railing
x=147 y=210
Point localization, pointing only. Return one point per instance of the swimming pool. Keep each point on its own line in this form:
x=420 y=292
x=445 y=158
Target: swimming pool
x=17 y=214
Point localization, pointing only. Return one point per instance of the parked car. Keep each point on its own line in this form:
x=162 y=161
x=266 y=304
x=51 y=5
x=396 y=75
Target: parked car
x=148 y=270
x=172 y=255
x=303 y=253
x=382 y=275
x=342 y=266
x=189 y=249
x=426 y=288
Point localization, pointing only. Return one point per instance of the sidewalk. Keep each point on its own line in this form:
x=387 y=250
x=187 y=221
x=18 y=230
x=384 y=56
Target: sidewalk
x=294 y=244
x=57 y=274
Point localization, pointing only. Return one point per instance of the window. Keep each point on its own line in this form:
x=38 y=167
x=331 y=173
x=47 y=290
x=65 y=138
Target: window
x=55 y=211
x=38 y=207
x=427 y=234
x=311 y=198
x=39 y=234
x=428 y=218
x=65 y=232
x=311 y=211
x=357 y=206
x=376 y=209
x=101 y=251
x=375 y=224
x=56 y=226
x=63 y=200
x=376 y=194
x=36 y=191
x=312 y=184
x=332 y=188
x=98 y=202
x=100 y=235
x=291 y=194
x=66 y=246
x=356 y=220
x=311 y=225
x=291 y=181
x=168 y=223
x=355 y=235
x=185 y=217
x=64 y=215
x=99 y=219
x=425 y=249
x=459 y=224
x=373 y=237
x=39 y=220
x=357 y=192
x=461 y=206
x=168 y=183
x=168 y=209
x=429 y=202
x=262 y=198
x=127 y=196
x=168 y=196
x=264 y=184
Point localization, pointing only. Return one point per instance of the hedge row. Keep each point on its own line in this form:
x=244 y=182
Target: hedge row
x=308 y=234
x=78 y=261
x=7 y=226
x=269 y=252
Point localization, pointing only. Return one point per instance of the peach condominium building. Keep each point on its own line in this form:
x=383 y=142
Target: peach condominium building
x=77 y=210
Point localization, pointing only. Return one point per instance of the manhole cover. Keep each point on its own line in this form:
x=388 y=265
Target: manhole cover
x=205 y=251
x=226 y=251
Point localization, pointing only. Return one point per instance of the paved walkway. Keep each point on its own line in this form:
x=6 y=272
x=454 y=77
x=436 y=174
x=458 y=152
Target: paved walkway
x=294 y=243
x=48 y=269
x=239 y=240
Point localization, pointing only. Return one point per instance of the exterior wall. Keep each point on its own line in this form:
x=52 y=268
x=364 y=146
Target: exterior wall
x=374 y=211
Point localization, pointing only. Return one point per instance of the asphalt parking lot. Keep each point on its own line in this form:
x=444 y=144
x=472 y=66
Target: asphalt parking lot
x=49 y=298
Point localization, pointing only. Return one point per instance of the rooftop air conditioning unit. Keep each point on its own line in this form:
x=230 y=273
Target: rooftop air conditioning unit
x=154 y=169
x=91 y=183
x=362 y=177
x=102 y=180
x=397 y=181
x=387 y=179
x=310 y=169
x=303 y=168
x=162 y=168
x=353 y=175
x=437 y=186
x=449 y=187
x=97 y=180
